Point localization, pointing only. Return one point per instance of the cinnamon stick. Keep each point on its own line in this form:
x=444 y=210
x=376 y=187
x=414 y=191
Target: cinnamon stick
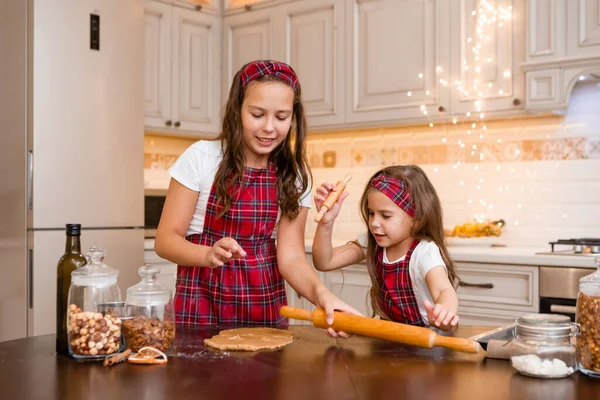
x=117 y=358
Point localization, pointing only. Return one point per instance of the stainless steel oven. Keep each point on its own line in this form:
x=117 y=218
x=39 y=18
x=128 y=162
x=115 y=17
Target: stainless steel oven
x=154 y=201
x=559 y=287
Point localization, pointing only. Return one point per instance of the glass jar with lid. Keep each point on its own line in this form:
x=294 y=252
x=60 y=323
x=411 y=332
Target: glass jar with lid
x=543 y=346
x=94 y=330
x=150 y=317
x=588 y=317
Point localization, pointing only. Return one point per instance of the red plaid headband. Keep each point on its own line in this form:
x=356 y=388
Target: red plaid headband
x=256 y=69
x=396 y=190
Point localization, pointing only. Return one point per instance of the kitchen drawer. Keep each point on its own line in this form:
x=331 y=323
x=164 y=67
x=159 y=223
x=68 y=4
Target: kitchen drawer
x=486 y=317
x=496 y=286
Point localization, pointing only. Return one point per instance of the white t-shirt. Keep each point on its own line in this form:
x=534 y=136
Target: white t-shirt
x=196 y=169
x=425 y=257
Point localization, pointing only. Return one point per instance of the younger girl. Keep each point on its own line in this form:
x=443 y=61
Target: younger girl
x=225 y=200
x=411 y=273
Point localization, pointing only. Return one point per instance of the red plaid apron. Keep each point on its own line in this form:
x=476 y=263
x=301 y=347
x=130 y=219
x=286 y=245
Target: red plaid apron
x=247 y=291
x=397 y=298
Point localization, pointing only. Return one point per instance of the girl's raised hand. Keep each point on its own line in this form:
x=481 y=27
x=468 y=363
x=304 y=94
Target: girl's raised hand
x=321 y=194
x=440 y=316
x=223 y=251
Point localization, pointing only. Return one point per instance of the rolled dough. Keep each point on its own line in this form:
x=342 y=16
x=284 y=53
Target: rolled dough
x=250 y=339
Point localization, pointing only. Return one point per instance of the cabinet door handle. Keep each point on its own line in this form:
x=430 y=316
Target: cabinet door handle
x=30 y=278
x=476 y=285
x=168 y=123
x=563 y=309
x=30 y=180
x=177 y=124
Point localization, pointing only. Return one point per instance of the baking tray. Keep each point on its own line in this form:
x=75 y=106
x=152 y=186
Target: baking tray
x=503 y=333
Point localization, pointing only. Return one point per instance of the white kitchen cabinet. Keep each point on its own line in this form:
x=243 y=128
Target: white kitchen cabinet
x=168 y=270
x=391 y=58
x=543 y=88
x=483 y=317
x=499 y=85
x=183 y=75
x=495 y=294
x=563 y=43
x=296 y=300
x=157 y=63
x=352 y=285
x=308 y=35
x=312 y=34
x=545 y=21
x=583 y=28
x=246 y=37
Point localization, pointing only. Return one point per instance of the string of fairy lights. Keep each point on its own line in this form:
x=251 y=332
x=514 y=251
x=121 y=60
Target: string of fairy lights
x=472 y=123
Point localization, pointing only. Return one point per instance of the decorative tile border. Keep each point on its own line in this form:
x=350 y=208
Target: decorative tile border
x=496 y=150
x=159 y=161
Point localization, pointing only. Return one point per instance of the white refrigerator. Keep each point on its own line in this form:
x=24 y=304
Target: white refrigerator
x=71 y=146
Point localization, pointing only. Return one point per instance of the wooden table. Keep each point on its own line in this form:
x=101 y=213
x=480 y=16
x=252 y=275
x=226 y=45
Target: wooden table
x=313 y=367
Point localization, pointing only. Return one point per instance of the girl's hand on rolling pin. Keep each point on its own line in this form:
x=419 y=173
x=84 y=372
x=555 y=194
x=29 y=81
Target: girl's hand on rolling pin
x=223 y=251
x=440 y=317
x=321 y=194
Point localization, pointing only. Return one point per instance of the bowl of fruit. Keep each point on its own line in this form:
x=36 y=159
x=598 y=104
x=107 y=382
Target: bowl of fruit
x=478 y=233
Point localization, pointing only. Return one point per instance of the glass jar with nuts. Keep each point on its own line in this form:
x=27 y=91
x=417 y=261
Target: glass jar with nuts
x=588 y=316
x=150 y=313
x=94 y=331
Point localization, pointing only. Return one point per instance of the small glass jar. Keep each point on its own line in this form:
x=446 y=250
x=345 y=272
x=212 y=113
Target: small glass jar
x=94 y=331
x=150 y=318
x=543 y=346
x=588 y=316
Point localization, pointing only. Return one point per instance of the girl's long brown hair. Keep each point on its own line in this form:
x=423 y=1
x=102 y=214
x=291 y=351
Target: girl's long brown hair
x=293 y=172
x=427 y=222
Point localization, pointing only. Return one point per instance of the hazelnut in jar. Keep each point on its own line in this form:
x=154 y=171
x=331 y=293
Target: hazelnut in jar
x=93 y=332
x=150 y=320
x=588 y=317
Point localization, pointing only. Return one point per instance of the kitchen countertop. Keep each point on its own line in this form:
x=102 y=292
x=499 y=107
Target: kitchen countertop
x=313 y=367
x=504 y=255
x=489 y=255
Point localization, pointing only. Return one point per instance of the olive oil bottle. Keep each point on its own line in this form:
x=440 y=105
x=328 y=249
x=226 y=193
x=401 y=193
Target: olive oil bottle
x=69 y=262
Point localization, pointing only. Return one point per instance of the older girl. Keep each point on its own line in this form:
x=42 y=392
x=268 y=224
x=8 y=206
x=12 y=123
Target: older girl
x=229 y=200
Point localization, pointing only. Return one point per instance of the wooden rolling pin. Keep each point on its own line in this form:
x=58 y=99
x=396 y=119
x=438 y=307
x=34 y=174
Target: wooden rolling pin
x=332 y=197
x=386 y=330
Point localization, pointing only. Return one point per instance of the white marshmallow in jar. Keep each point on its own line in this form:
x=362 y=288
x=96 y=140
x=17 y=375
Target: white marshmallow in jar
x=544 y=346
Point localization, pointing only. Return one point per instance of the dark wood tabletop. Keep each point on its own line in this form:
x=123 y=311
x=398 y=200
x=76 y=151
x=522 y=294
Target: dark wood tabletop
x=313 y=367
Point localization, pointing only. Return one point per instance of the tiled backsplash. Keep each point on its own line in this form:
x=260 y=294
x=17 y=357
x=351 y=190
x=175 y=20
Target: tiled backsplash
x=540 y=174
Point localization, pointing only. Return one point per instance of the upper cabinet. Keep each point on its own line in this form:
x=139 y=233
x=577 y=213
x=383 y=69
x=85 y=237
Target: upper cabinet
x=246 y=37
x=563 y=44
x=183 y=70
x=308 y=35
x=583 y=28
x=392 y=59
x=312 y=42
x=370 y=62
x=157 y=64
x=486 y=53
